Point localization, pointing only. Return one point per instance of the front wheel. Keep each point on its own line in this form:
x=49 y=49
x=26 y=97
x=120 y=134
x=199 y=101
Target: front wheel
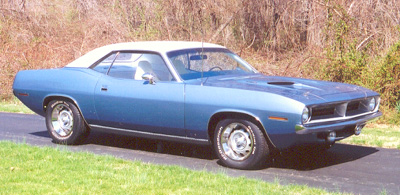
x=240 y=144
x=65 y=123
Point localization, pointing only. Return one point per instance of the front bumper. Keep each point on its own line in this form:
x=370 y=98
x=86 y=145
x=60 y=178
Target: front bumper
x=336 y=125
x=317 y=133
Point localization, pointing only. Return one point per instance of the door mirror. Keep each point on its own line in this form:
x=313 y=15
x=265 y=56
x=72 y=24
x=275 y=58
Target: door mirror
x=149 y=77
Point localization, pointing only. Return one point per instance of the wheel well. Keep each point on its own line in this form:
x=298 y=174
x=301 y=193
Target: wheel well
x=234 y=115
x=51 y=98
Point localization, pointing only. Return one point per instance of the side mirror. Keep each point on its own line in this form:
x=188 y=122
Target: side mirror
x=149 y=77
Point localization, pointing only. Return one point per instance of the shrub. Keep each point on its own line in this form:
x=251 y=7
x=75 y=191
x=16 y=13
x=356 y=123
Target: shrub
x=387 y=77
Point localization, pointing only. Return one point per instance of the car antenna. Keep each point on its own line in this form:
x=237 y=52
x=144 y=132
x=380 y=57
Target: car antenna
x=202 y=60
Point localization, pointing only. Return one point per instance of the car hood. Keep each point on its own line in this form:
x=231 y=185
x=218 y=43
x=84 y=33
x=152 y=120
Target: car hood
x=303 y=90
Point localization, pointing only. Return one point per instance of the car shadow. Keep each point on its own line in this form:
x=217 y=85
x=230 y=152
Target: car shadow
x=41 y=134
x=303 y=159
x=296 y=158
x=150 y=145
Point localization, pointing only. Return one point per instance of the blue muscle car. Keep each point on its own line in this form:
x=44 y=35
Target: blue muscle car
x=193 y=92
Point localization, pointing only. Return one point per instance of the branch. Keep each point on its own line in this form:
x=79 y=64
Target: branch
x=365 y=41
x=351 y=6
x=221 y=28
x=329 y=6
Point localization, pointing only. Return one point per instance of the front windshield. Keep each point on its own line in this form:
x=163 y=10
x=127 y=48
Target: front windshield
x=207 y=62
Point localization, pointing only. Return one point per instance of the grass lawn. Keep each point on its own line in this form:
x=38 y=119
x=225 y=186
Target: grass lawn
x=377 y=135
x=42 y=170
x=15 y=106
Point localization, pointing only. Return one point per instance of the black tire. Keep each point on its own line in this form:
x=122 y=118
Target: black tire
x=65 y=123
x=240 y=144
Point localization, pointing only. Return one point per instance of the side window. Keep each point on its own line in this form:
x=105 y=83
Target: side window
x=155 y=65
x=104 y=65
x=132 y=65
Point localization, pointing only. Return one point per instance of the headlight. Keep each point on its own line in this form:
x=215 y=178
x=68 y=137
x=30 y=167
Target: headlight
x=372 y=104
x=306 y=115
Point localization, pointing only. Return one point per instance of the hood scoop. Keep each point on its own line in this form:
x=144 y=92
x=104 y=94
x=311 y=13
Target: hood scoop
x=281 y=83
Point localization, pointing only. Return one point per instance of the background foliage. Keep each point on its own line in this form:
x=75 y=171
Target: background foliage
x=339 y=40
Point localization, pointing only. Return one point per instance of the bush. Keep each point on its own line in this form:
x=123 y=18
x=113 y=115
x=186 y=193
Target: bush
x=387 y=79
x=330 y=40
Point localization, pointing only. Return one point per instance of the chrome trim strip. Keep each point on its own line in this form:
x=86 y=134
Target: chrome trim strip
x=337 y=118
x=326 y=127
x=152 y=135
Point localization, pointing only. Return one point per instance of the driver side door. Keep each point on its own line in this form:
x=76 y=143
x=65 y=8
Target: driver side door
x=125 y=101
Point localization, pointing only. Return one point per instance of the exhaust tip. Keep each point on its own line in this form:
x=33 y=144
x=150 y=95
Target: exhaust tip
x=357 y=130
x=331 y=137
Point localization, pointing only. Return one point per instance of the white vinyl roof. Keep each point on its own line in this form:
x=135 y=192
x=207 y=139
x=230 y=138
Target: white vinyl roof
x=152 y=46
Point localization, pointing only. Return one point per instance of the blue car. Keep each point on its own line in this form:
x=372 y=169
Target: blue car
x=193 y=92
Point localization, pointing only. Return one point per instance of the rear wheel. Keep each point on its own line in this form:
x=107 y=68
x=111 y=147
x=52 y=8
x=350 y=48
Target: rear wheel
x=240 y=144
x=65 y=123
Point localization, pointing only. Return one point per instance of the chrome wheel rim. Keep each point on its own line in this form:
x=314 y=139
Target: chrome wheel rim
x=237 y=141
x=62 y=120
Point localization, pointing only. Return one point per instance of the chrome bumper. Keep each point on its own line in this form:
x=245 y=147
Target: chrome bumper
x=335 y=125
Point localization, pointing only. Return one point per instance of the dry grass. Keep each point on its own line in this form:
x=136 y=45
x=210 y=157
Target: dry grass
x=288 y=38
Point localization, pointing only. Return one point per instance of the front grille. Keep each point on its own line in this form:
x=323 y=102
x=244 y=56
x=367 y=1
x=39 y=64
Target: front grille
x=323 y=111
x=352 y=106
x=339 y=110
